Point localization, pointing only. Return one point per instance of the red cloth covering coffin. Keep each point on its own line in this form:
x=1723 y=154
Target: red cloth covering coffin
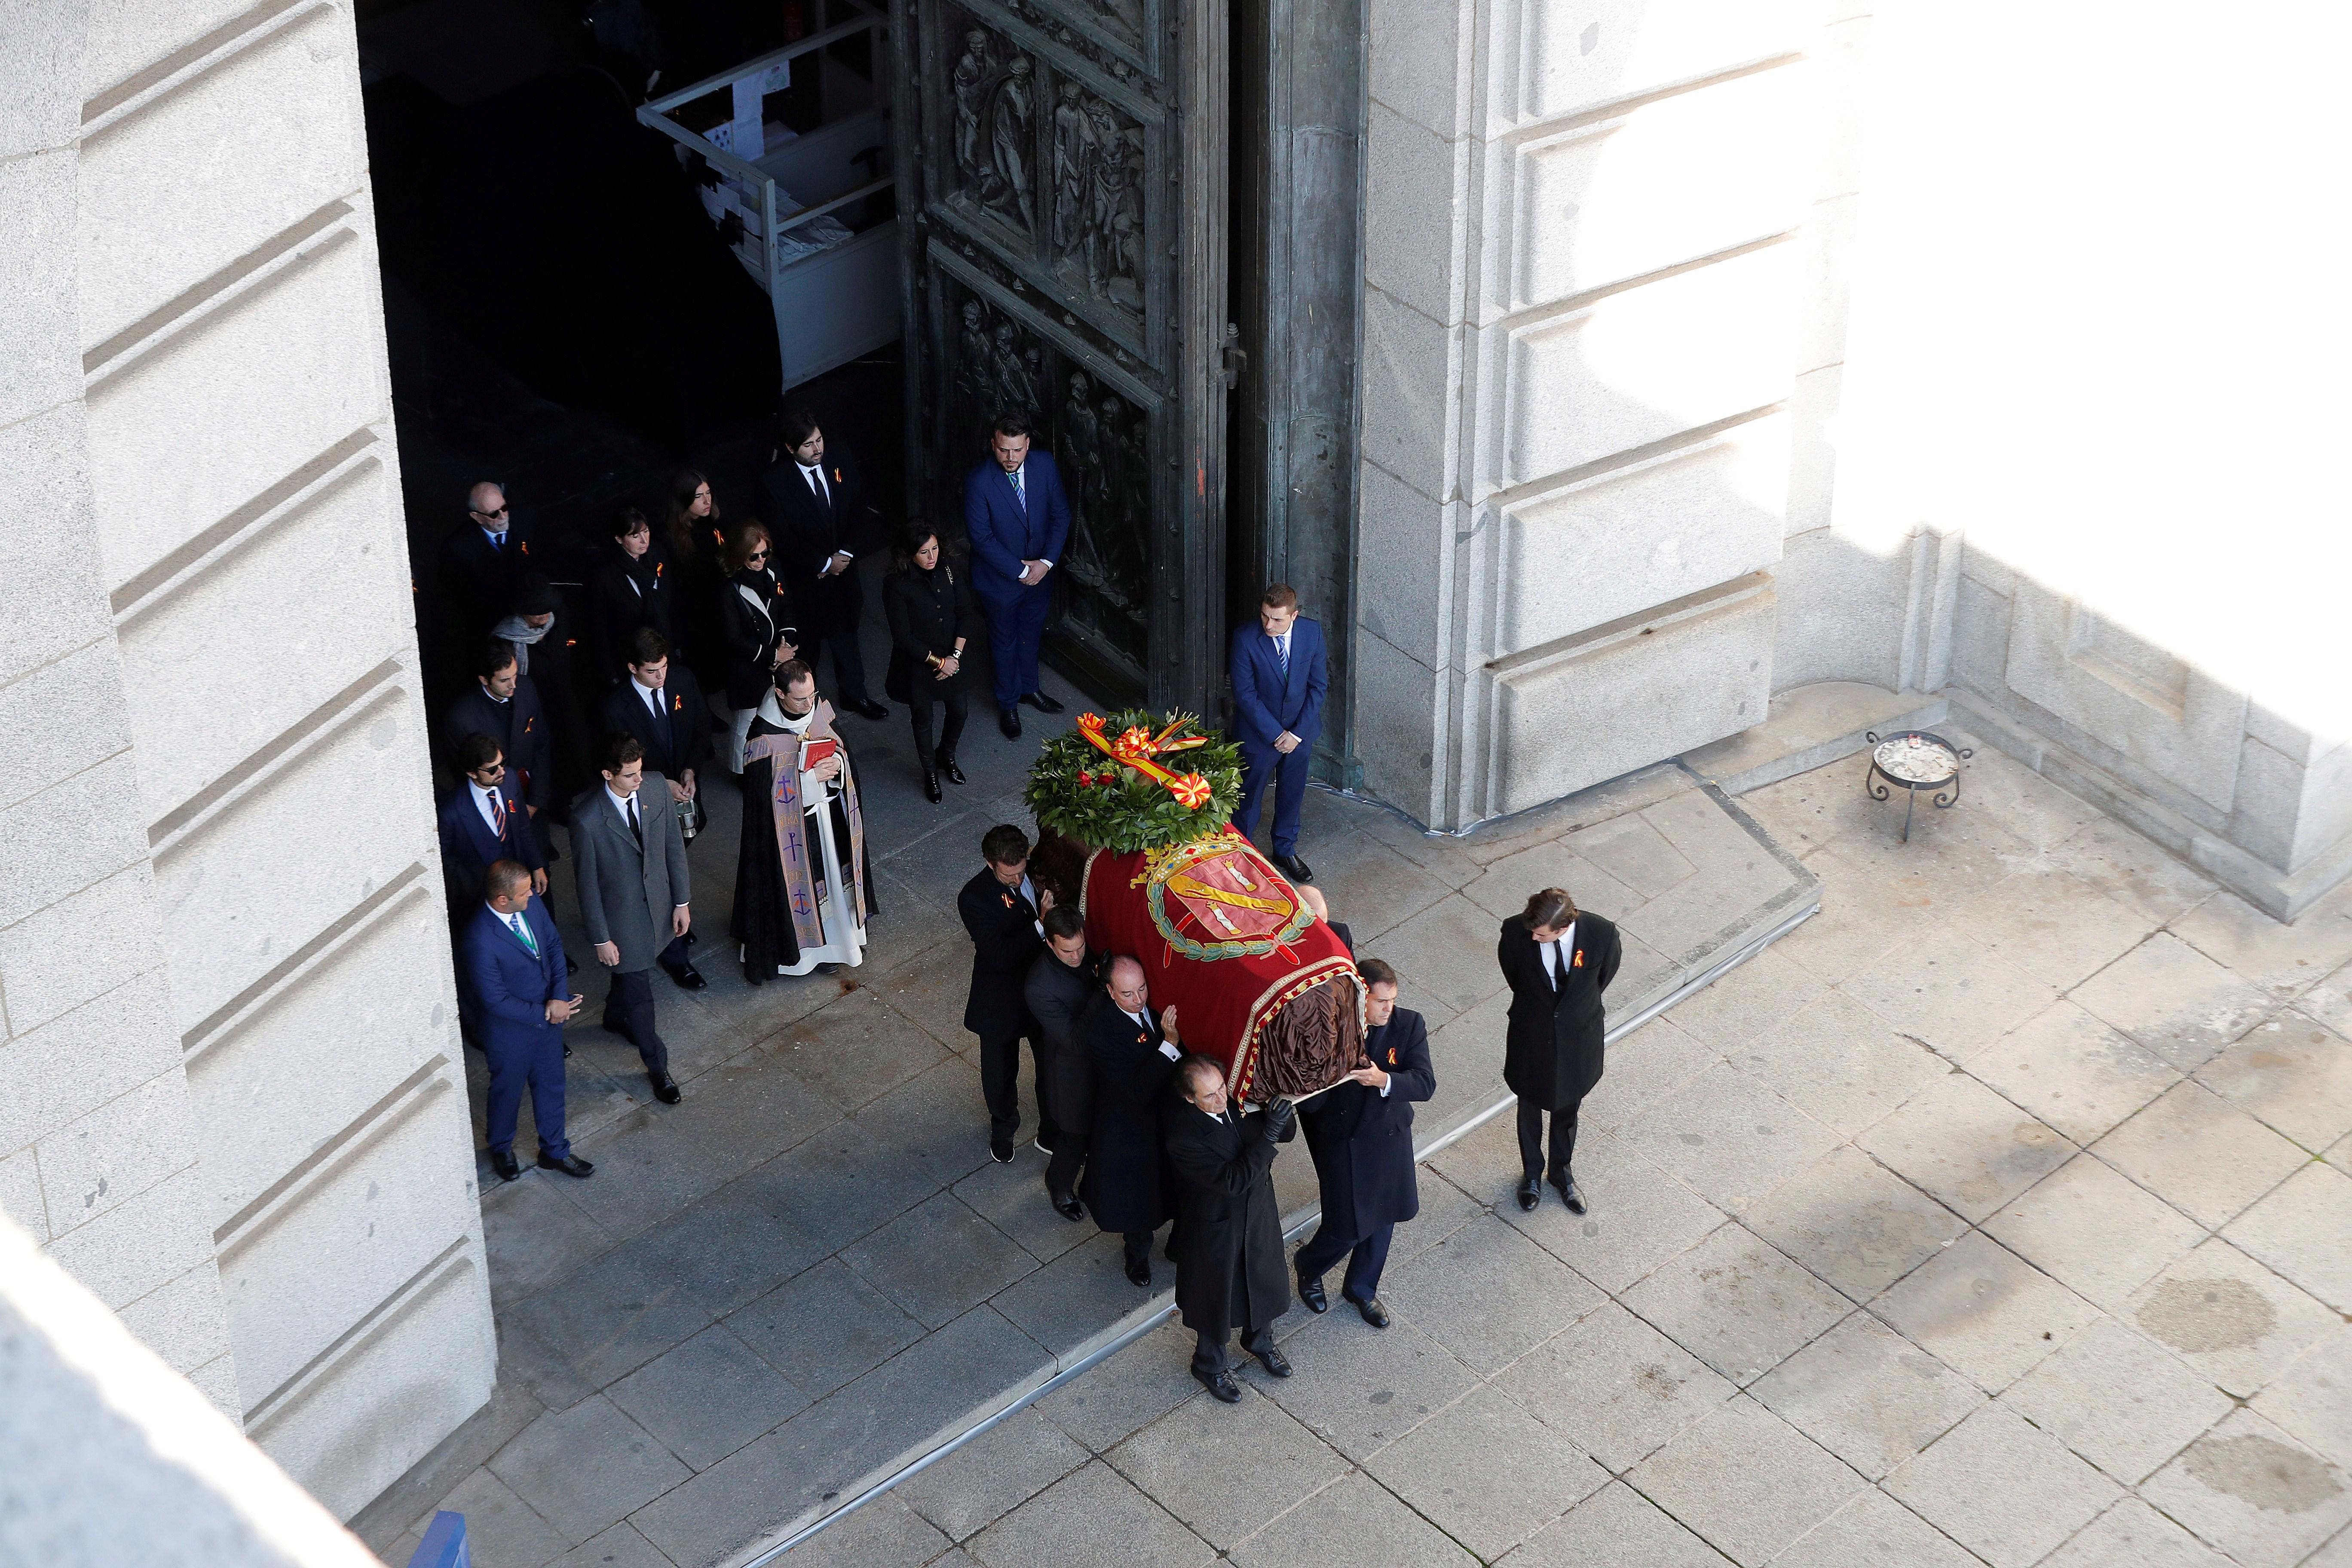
x=1257 y=982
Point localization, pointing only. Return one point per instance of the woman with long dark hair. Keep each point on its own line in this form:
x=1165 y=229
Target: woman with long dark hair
x=929 y=606
x=692 y=534
x=1556 y=960
x=755 y=620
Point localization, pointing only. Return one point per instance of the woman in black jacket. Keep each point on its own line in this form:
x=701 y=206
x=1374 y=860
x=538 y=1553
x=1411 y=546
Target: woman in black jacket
x=929 y=606
x=632 y=587
x=1556 y=960
x=755 y=623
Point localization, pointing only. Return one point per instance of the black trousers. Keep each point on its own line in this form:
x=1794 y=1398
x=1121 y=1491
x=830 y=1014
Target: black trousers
x=999 y=1085
x=958 y=706
x=629 y=1008
x=1563 y=1139
x=1209 y=1357
x=1069 y=1157
x=848 y=664
x=1366 y=1255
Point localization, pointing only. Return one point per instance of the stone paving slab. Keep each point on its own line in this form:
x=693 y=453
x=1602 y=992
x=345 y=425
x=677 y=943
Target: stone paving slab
x=2003 y=1323
x=809 y=1235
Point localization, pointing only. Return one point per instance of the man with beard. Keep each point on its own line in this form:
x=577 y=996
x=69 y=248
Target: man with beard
x=1229 y=1269
x=803 y=890
x=817 y=518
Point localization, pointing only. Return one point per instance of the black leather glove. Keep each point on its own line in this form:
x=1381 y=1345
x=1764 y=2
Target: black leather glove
x=1279 y=1117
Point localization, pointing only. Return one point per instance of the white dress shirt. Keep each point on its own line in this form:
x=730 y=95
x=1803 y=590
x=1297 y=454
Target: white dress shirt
x=650 y=695
x=1552 y=951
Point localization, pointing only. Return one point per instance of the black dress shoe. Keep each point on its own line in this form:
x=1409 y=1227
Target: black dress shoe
x=1001 y=1151
x=1069 y=1208
x=665 y=1087
x=689 y=978
x=1569 y=1194
x=932 y=791
x=1274 y=1361
x=1139 y=1274
x=947 y=766
x=1042 y=1146
x=1043 y=703
x=1374 y=1313
x=503 y=1163
x=1530 y=1193
x=567 y=1048
x=869 y=709
x=1310 y=1291
x=1292 y=866
x=692 y=937
x=1009 y=720
x=1220 y=1384
x=570 y=1164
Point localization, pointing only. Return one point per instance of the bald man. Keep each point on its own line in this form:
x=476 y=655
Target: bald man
x=1229 y=1268
x=1134 y=1052
x=483 y=561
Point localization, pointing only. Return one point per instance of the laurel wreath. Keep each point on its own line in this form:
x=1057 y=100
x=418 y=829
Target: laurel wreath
x=1077 y=792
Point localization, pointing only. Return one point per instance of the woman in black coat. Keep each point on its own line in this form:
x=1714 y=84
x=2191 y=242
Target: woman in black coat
x=929 y=607
x=755 y=626
x=1557 y=961
x=632 y=587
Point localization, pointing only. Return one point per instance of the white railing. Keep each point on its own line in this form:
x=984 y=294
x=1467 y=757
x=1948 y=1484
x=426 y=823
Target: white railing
x=787 y=200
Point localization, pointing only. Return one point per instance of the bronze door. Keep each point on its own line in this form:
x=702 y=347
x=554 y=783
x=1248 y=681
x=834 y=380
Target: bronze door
x=1063 y=162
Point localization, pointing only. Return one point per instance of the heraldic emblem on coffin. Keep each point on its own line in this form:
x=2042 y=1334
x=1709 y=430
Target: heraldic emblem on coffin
x=1259 y=983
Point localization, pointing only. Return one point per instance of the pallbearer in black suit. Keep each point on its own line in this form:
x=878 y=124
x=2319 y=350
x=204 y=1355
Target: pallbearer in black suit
x=482 y=557
x=661 y=705
x=1063 y=982
x=818 y=516
x=1228 y=1243
x=1360 y=1134
x=1000 y=909
x=1134 y=1053
x=1556 y=960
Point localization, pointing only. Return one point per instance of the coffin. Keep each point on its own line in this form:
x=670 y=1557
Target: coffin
x=1257 y=980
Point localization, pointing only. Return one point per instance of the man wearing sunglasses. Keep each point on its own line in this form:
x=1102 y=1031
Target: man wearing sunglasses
x=484 y=558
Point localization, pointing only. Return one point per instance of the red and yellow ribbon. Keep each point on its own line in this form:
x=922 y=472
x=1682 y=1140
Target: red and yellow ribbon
x=1135 y=748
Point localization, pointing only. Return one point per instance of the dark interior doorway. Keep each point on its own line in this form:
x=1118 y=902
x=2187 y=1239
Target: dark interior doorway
x=563 y=319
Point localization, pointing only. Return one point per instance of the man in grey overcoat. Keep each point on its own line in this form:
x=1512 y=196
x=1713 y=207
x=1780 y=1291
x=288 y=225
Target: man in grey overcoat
x=631 y=863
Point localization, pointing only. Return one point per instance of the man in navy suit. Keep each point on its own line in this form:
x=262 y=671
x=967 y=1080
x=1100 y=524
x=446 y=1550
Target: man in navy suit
x=1018 y=519
x=510 y=980
x=1279 y=676
x=482 y=823
x=1360 y=1135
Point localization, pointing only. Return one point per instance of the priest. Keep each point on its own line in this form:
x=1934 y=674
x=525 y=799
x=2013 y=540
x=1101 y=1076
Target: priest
x=803 y=891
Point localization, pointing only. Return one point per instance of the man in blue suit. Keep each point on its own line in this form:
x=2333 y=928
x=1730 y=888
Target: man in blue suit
x=482 y=822
x=1279 y=675
x=510 y=980
x=1017 y=517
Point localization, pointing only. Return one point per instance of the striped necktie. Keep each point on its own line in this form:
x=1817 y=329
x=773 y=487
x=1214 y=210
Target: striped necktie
x=523 y=932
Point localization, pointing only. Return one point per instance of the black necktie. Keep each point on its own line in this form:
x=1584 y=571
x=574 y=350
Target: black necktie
x=1557 y=979
x=636 y=829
